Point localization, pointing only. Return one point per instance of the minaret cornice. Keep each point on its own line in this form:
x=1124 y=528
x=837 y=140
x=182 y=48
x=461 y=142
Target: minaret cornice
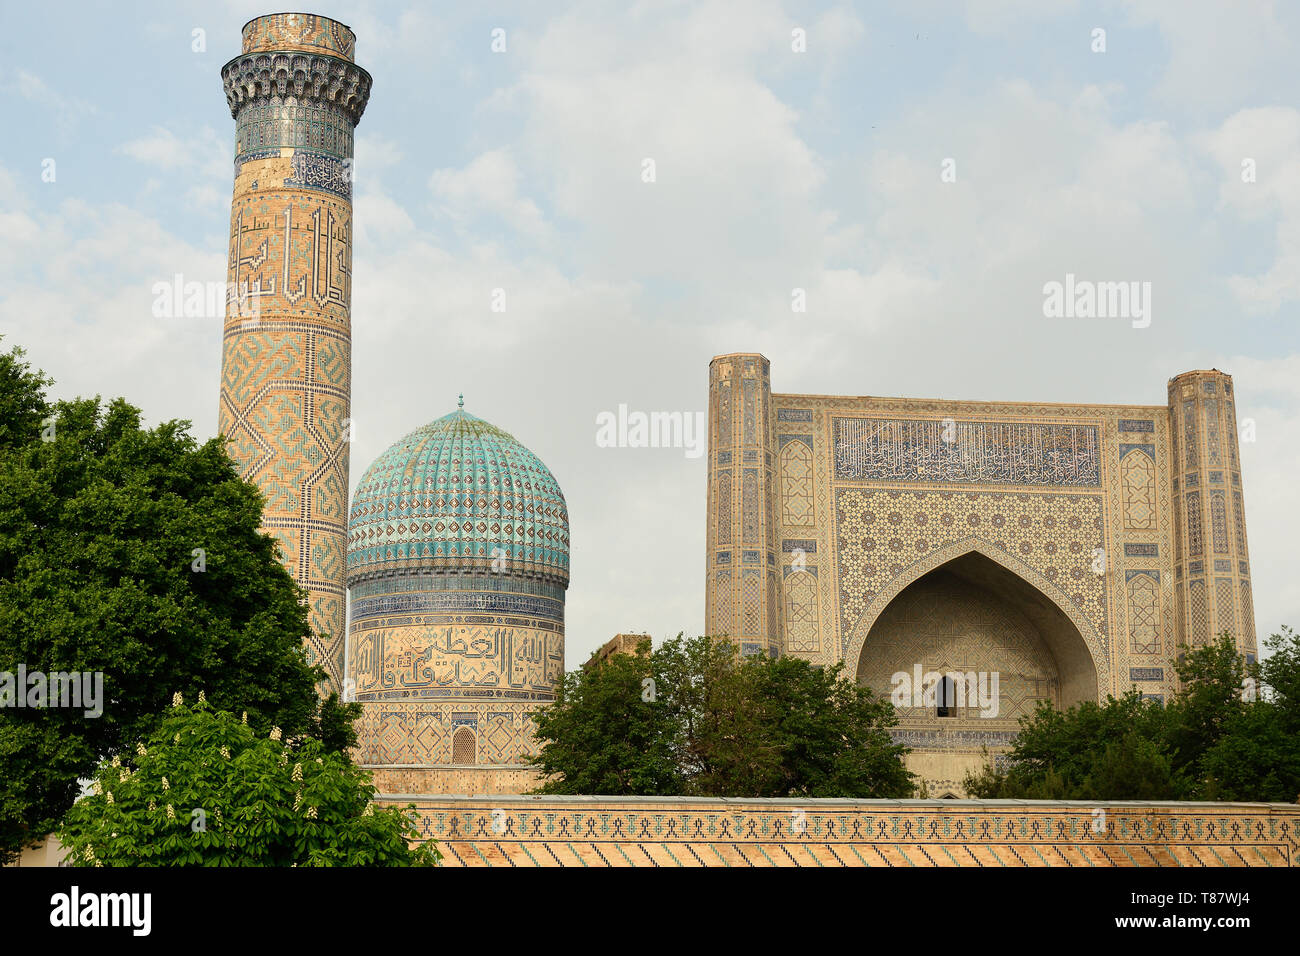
x=310 y=78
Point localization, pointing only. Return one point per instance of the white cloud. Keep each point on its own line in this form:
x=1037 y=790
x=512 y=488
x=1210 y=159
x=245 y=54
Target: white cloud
x=1258 y=151
x=162 y=147
x=68 y=111
x=488 y=185
x=1218 y=54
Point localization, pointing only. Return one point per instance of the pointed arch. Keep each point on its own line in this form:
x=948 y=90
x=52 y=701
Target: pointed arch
x=1080 y=650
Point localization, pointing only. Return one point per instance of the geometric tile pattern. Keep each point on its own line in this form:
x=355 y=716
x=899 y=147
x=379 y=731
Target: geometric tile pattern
x=508 y=831
x=801 y=611
x=882 y=532
x=797 y=485
x=456 y=494
x=1138 y=473
x=742 y=590
x=1144 y=613
x=1202 y=403
x=286 y=383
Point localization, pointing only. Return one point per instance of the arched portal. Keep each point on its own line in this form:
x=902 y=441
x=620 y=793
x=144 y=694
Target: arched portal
x=965 y=650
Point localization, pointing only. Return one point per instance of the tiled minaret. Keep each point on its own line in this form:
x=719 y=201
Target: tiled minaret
x=1212 y=569
x=743 y=597
x=296 y=96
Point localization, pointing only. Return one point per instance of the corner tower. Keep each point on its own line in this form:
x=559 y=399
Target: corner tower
x=743 y=597
x=296 y=95
x=1212 y=569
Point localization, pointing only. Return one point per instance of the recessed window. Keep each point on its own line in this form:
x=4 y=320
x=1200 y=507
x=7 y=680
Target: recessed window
x=464 y=746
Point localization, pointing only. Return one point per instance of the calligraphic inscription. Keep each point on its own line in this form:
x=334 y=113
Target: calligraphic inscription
x=321 y=171
x=939 y=450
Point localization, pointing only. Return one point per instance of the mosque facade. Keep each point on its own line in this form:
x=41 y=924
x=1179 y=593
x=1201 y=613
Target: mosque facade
x=1065 y=552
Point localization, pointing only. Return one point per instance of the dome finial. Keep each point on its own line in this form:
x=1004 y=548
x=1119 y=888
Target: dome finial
x=461 y=401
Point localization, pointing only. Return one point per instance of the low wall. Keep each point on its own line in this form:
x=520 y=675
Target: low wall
x=676 y=831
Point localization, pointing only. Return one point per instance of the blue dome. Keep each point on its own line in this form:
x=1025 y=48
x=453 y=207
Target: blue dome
x=458 y=495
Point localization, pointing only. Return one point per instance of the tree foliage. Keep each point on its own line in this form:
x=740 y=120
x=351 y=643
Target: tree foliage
x=206 y=791
x=1215 y=740
x=692 y=718
x=136 y=553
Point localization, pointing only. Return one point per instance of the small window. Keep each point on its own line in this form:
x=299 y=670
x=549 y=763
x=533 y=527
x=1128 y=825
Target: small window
x=464 y=746
x=946 y=696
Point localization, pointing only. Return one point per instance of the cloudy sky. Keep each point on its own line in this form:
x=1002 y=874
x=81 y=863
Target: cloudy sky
x=775 y=169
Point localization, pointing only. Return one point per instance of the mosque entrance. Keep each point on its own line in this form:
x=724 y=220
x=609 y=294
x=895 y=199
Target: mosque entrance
x=964 y=652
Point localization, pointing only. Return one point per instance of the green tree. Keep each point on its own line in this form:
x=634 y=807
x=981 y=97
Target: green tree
x=1207 y=707
x=134 y=553
x=1214 y=741
x=693 y=718
x=608 y=731
x=206 y=791
x=22 y=400
x=1115 y=750
x=1257 y=756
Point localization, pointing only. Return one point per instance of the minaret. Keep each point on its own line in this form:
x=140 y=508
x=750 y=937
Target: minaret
x=742 y=588
x=286 y=362
x=1211 y=566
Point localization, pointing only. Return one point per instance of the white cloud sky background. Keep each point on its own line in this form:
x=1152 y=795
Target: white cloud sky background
x=775 y=170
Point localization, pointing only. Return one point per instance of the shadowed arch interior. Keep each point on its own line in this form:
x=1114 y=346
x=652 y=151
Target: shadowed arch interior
x=972 y=613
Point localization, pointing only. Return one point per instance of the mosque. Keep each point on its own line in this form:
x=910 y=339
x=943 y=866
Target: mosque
x=1065 y=550
x=455 y=549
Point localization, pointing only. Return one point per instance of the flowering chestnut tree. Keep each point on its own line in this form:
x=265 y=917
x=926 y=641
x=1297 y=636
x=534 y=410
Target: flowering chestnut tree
x=205 y=791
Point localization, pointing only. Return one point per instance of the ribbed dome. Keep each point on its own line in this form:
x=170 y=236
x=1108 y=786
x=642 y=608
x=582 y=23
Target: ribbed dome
x=448 y=495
